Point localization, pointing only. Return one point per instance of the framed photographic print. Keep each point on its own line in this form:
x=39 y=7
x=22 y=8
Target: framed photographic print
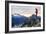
x=24 y=16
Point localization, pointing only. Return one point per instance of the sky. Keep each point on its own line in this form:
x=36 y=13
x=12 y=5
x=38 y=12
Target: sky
x=25 y=10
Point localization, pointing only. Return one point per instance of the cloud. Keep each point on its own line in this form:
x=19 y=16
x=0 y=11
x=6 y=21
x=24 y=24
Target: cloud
x=25 y=10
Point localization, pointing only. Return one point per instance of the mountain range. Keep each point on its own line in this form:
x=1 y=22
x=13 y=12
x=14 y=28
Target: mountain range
x=23 y=21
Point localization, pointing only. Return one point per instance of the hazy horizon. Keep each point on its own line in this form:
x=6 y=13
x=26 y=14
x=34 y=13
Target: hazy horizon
x=25 y=10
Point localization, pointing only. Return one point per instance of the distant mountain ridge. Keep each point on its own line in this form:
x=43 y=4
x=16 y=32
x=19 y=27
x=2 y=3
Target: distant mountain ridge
x=18 y=20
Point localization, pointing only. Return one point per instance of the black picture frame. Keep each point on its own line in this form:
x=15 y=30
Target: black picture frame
x=7 y=16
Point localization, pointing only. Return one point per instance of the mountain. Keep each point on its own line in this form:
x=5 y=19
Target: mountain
x=34 y=17
x=32 y=21
x=22 y=21
x=18 y=20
